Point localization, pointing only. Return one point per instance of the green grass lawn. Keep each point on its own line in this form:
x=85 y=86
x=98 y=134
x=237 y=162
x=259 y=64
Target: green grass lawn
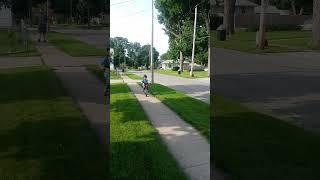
x=14 y=46
x=134 y=76
x=72 y=46
x=253 y=146
x=43 y=133
x=137 y=152
x=190 y=109
x=279 y=41
x=185 y=74
x=95 y=69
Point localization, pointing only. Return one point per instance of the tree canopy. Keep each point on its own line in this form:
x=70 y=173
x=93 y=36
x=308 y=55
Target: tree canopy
x=138 y=55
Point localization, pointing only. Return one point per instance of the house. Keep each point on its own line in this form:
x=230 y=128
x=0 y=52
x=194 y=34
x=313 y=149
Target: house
x=6 y=17
x=245 y=7
x=242 y=7
x=169 y=64
x=270 y=10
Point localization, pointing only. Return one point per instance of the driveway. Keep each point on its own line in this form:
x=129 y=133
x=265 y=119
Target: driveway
x=284 y=85
x=197 y=88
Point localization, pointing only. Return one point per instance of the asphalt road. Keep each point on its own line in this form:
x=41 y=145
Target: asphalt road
x=197 y=88
x=283 y=85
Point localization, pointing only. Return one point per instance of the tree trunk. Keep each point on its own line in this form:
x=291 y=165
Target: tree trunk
x=293 y=7
x=228 y=20
x=181 y=61
x=209 y=41
x=262 y=28
x=88 y=16
x=226 y=14
x=316 y=23
x=301 y=11
x=232 y=16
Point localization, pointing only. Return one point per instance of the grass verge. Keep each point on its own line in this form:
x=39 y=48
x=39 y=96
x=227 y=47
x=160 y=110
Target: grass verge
x=13 y=45
x=134 y=76
x=137 y=151
x=72 y=46
x=279 y=41
x=190 y=109
x=43 y=133
x=97 y=71
x=185 y=74
x=251 y=146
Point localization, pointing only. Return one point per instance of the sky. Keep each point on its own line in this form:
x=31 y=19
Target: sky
x=132 y=19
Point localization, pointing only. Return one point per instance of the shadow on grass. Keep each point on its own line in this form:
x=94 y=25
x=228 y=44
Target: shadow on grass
x=16 y=84
x=58 y=148
x=252 y=146
x=143 y=158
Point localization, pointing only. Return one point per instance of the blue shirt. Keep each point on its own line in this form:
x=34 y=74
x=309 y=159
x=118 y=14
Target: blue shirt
x=105 y=62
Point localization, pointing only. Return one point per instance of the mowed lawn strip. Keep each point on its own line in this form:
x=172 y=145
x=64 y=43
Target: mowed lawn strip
x=185 y=73
x=137 y=151
x=72 y=46
x=134 y=76
x=192 y=110
x=279 y=41
x=252 y=146
x=43 y=134
x=95 y=69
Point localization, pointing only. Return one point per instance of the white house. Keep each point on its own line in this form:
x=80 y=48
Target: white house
x=6 y=17
x=169 y=64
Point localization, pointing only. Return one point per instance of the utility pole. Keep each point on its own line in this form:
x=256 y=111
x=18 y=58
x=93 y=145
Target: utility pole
x=151 y=50
x=47 y=16
x=71 y=11
x=194 y=40
x=262 y=24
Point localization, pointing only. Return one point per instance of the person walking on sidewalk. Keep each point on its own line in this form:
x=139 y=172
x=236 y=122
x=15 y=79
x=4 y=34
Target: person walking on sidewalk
x=145 y=85
x=105 y=66
x=43 y=23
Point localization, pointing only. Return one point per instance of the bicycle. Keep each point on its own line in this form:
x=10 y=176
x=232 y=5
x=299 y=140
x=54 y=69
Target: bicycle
x=146 y=89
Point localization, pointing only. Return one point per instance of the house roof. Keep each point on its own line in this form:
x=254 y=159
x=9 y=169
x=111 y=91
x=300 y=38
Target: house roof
x=270 y=10
x=246 y=3
x=171 y=61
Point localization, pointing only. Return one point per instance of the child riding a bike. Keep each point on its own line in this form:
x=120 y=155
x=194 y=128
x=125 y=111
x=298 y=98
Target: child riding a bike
x=145 y=85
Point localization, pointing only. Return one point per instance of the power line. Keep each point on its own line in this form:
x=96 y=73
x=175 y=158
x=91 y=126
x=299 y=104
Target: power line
x=135 y=13
x=121 y=2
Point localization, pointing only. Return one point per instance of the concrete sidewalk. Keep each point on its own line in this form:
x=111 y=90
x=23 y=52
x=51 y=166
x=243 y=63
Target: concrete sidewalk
x=85 y=88
x=191 y=150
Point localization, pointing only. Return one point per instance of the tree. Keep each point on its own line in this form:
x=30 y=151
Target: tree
x=138 y=55
x=316 y=23
x=172 y=16
x=164 y=56
x=228 y=20
x=304 y=6
x=262 y=28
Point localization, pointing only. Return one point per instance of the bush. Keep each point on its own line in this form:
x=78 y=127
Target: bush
x=176 y=68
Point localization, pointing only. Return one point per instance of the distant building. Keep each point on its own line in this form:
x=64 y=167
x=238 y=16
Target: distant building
x=270 y=10
x=245 y=7
x=6 y=17
x=169 y=64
